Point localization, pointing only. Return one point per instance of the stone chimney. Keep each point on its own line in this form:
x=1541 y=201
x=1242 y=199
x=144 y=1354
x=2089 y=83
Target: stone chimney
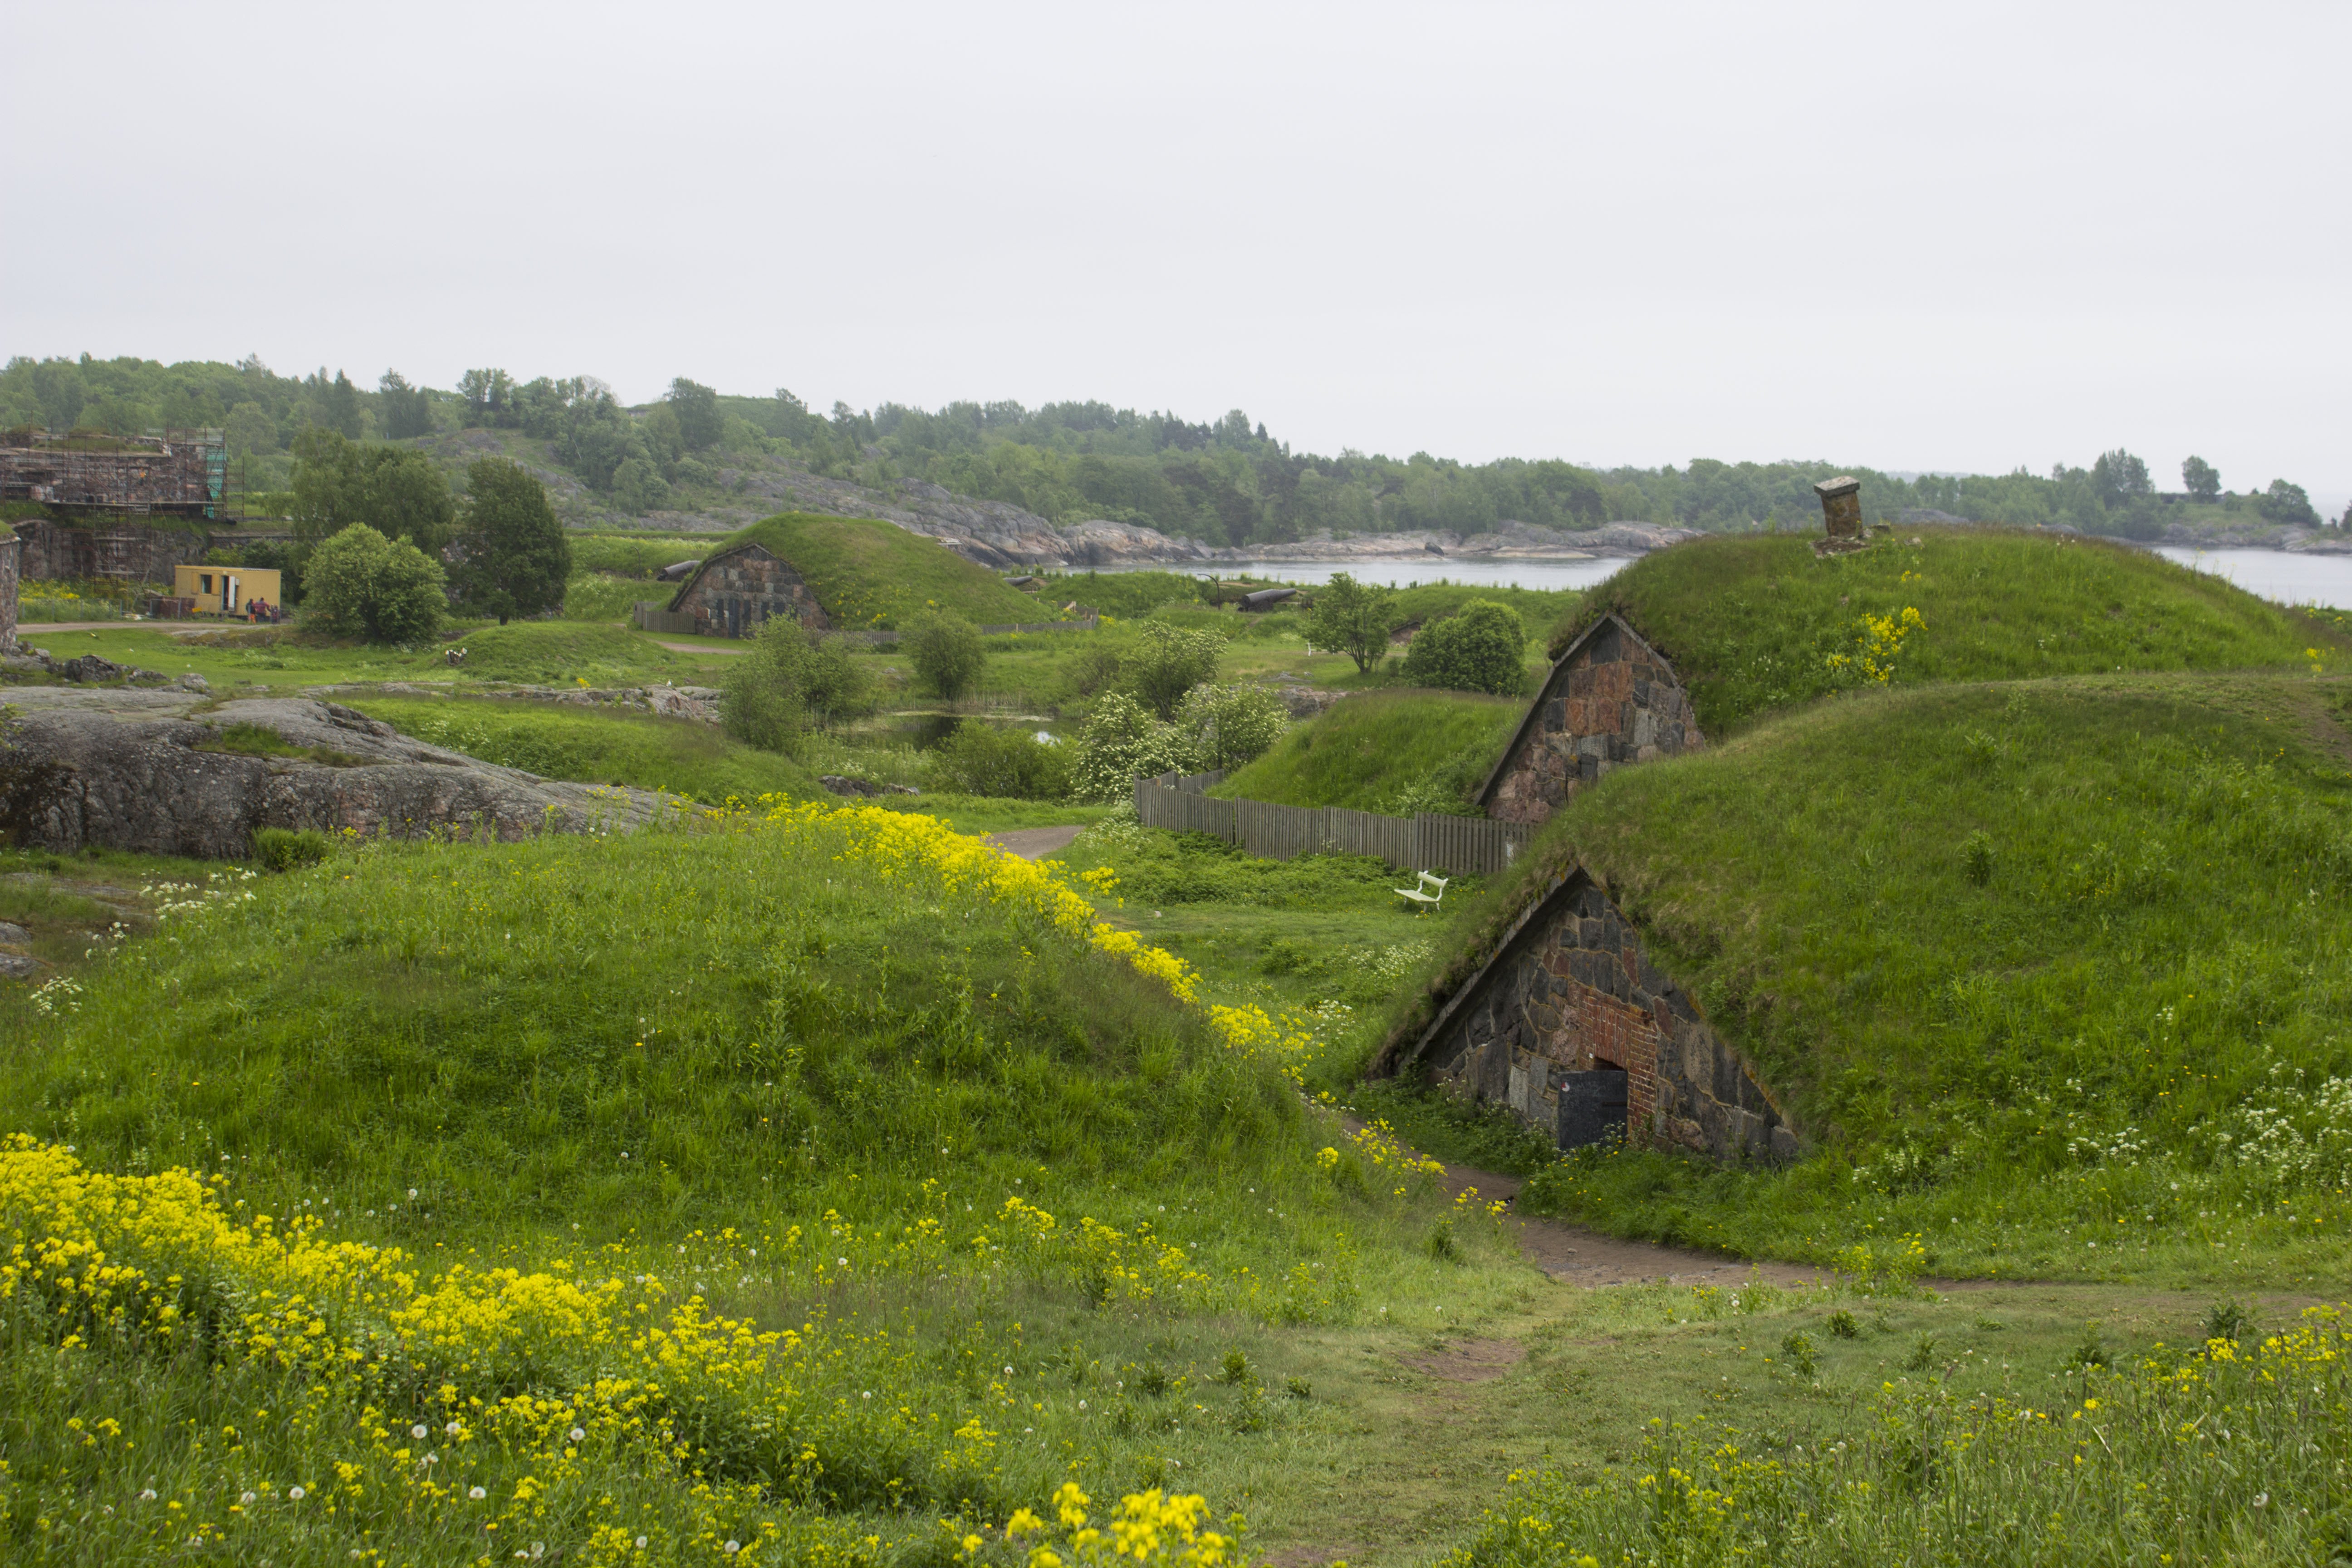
x=1840 y=506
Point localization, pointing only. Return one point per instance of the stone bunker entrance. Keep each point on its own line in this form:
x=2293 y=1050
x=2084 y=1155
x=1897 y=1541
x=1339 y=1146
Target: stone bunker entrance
x=1609 y=700
x=1569 y=1024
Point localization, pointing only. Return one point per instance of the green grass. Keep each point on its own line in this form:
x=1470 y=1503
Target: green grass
x=871 y=574
x=1397 y=752
x=595 y=745
x=2032 y=965
x=558 y=653
x=1752 y=622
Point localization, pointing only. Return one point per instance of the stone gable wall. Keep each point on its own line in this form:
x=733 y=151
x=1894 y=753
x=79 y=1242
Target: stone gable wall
x=1610 y=700
x=734 y=594
x=1572 y=1002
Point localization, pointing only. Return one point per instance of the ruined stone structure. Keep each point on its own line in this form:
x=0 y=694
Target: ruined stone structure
x=1611 y=699
x=733 y=592
x=1841 y=507
x=1570 y=1024
x=106 y=547
x=10 y=549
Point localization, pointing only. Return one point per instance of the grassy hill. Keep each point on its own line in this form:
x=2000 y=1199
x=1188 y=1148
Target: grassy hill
x=2036 y=965
x=1394 y=751
x=871 y=574
x=1754 y=622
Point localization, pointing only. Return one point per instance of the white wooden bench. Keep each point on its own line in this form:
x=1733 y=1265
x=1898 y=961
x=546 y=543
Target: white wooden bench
x=1419 y=892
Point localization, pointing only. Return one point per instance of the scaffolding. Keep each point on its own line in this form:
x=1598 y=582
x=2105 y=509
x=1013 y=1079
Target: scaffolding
x=168 y=473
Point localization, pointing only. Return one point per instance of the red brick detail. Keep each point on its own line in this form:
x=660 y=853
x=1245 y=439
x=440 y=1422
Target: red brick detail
x=1595 y=1026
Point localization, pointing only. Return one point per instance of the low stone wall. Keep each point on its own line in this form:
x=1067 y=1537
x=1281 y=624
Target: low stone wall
x=1611 y=699
x=1571 y=1025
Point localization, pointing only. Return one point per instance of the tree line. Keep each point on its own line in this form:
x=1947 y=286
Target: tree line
x=1222 y=482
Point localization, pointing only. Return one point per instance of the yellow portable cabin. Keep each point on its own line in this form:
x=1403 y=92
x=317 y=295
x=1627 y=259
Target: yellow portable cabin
x=224 y=589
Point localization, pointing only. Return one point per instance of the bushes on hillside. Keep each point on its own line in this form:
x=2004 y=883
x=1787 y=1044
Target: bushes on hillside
x=1480 y=647
x=1169 y=662
x=1214 y=727
x=946 y=652
x=1228 y=726
x=791 y=680
x=981 y=759
x=361 y=585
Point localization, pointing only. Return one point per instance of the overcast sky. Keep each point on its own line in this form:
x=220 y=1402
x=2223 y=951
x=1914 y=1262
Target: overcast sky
x=1956 y=237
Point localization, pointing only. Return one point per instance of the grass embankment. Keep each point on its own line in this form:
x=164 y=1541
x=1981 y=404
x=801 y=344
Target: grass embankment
x=1753 y=622
x=2051 y=974
x=591 y=745
x=870 y=573
x=1397 y=752
x=829 y=1067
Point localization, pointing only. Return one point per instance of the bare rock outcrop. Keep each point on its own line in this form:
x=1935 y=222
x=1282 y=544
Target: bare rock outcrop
x=171 y=783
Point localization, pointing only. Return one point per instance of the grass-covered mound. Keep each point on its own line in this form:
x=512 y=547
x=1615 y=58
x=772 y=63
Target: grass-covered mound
x=693 y=1187
x=560 y=653
x=591 y=745
x=1755 y=622
x=871 y=574
x=1395 y=751
x=2051 y=974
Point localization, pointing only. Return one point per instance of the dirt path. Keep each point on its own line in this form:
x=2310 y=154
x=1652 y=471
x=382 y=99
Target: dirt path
x=697 y=648
x=1036 y=843
x=1575 y=1256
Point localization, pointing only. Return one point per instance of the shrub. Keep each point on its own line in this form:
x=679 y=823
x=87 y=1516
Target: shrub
x=1120 y=744
x=284 y=849
x=790 y=680
x=1170 y=662
x=946 y=652
x=981 y=759
x=1480 y=647
x=1228 y=726
x=361 y=585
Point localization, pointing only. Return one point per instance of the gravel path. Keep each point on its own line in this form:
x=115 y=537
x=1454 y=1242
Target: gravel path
x=1036 y=843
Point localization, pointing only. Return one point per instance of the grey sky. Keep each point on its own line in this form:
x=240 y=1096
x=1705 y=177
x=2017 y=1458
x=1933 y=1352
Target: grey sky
x=1952 y=237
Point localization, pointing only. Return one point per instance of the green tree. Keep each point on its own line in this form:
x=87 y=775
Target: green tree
x=358 y=584
x=638 y=487
x=407 y=410
x=514 y=556
x=397 y=490
x=489 y=397
x=1480 y=647
x=790 y=681
x=946 y=652
x=1228 y=726
x=2118 y=476
x=340 y=402
x=1354 y=618
x=699 y=423
x=2200 y=479
x=2290 y=504
x=250 y=429
x=1170 y=662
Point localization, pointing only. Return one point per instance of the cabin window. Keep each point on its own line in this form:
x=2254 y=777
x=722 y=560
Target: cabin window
x=208 y=581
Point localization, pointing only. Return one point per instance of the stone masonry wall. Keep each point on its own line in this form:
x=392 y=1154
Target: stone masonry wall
x=55 y=550
x=10 y=551
x=734 y=593
x=1569 y=1003
x=1611 y=699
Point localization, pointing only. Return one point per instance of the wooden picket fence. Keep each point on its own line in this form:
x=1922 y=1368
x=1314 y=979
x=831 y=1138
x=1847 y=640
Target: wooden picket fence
x=1426 y=842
